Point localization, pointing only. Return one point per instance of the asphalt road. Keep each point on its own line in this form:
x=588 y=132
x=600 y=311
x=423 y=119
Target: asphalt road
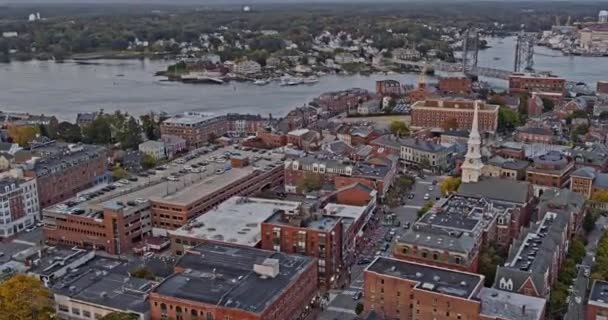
x=576 y=305
x=341 y=304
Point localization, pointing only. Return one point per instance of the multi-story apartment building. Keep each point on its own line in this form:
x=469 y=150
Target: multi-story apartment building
x=414 y=151
x=586 y=181
x=435 y=113
x=550 y=171
x=567 y=203
x=528 y=83
x=455 y=84
x=389 y=88
x=309 y=234
x=19 y=207
x=242 y=125
x=535 y=257
x=62 y=170
x=535 y=134
x=247 y=67
x=113 y=226
x=395 y=289
x=340 y=173
x=221 y=281
x=195 y=127
x=333 y=103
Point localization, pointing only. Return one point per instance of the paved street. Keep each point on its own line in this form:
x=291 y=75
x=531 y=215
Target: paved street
x=576 y=306
x=341 y=302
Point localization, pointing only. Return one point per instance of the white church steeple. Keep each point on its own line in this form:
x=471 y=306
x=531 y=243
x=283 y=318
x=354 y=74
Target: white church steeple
x=471 y=168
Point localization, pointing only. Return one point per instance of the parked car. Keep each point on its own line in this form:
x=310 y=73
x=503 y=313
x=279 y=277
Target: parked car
x=172 y=178
x=357 y=295
x=427 y=196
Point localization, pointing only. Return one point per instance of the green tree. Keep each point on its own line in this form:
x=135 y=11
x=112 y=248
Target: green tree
x=359 y=308
x=69 y=132
x=23 y=297
x=150 y=126
x=548 y=104
x=589 y=220
x=399 y=128
x=449 y=185
x=142 y=272
x=310 y=182
x=508 y=119
x=99 y=131
x=148 y=161
x=490 y=257
x=426 y=207
x=129 y=136
x=120 y=316
x=119 y=173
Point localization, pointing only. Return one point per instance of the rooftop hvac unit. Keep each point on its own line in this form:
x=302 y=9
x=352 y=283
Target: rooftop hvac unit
x=268 y=269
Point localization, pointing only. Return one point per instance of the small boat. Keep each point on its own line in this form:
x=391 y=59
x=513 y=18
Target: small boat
x=291 y=82
x=260 y=82
x=310 y=80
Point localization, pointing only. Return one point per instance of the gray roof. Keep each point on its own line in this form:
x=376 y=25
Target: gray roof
x=510 y=164
x=584 y=172
x=106 y=282
x=562 y=200
x=449 y=282
x=510 y=306
x=58 y=157
x=438 y=238
x=536 y=130
x=414 y=143
x=497 y=189
x=223 y=275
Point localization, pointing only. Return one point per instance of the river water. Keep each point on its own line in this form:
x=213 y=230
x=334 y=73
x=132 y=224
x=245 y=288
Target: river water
x=64 y=89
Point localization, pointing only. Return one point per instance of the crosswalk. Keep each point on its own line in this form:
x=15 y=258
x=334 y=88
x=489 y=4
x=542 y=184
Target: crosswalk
x=350 y=291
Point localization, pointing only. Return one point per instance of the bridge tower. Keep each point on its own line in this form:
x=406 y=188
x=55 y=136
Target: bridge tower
x=524 y=52
x=470 y=50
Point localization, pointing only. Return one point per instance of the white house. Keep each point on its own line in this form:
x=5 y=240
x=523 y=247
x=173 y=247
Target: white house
x=155 y=149
x=247 y=67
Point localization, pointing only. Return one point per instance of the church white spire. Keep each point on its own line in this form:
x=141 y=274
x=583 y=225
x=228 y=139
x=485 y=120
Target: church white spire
x=471 y=168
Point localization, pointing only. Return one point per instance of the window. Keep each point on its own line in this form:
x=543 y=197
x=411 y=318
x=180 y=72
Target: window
x=209 y=316
x=63 y=308
x=76 y=311
x=86 y=314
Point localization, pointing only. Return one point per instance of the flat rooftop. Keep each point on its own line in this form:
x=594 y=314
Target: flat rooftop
x=344 y=211
x=500 y=304
x=222 y=275
x=188 y=188
x=56 y=258
x=106 y=282
x=315 y=222
x=237 y=220
x=449 y=282
x=188 y=119
x=457 y=213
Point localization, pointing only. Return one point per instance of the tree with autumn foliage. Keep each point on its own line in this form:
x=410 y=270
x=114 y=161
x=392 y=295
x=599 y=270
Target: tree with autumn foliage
x=22 y=135
x=23 y=297
x=449 y=185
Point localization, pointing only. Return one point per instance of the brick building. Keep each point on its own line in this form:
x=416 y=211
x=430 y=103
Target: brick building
x=308 y=234
x=414 y=151
x=455 y=84
x=235 y=221
x=242 y=125
x=434 y=113
x=339 y=173
x=602 y=87
x=195 y=127
x=586 y=181
x=19 y=198
x=271 y=138
x=221 y=281
x=535 y=258
x=63 y=170
x=114 y=226
x=388 y=88
x=535 y=135
x=597 y=306
x=528 y=83
x=397 y=289
x=550 y=170
x=334 y=103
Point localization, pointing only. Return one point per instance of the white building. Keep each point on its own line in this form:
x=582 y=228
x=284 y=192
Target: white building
x=10 y=34
x=247 y=67
x=155 y=149
x=19 y=206
x=471 y=168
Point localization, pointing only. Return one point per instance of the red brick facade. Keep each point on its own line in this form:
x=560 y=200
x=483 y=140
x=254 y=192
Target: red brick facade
x=519 y=83
x=292 y=301
x=435 y=113
x=455 y=85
